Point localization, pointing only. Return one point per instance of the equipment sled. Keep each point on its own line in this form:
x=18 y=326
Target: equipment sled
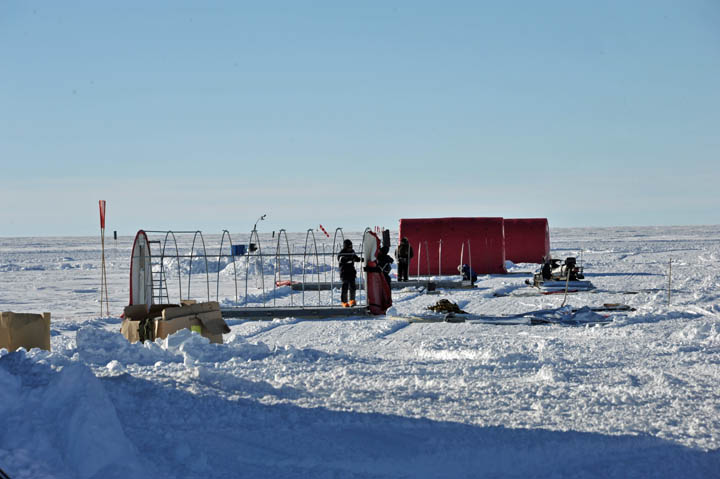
x=555 y=277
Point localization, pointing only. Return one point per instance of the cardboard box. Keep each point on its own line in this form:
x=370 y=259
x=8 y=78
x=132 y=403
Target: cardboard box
x=205 y=317
x=141 y=311
x=24 y=330
x=131 y=330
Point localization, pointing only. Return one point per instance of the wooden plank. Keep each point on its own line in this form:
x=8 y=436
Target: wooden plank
x=213 y=322
x=170 y=313
x=293 y=312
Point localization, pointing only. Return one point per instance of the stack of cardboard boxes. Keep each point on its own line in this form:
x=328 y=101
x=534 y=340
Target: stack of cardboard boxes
x=159 y=321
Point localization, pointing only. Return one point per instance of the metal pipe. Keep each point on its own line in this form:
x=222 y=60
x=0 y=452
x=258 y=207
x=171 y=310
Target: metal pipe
x=332 y=270
x=440 y=257
x=254 y=236
x=470 y=256
x=207 y=272
x=317 y=265
x=418 y=259
x=232 y=254
x=277 y=262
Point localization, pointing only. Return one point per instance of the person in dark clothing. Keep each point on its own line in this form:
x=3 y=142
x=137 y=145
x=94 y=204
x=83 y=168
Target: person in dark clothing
x=468 y=273
x=403 y=253
x=384 y=262
x=347 y=258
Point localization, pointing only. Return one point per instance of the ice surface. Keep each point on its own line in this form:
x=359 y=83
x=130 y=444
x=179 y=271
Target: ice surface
x=373 y=397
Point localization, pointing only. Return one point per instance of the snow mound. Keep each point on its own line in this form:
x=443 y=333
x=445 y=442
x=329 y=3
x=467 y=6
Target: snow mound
x=58 y=407
x=97 y=346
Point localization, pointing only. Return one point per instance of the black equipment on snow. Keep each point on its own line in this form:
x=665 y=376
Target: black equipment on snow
x=552 y=270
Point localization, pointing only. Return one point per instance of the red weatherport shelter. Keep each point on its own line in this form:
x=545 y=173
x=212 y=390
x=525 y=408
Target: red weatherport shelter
x=527 y=240
x=441 y=244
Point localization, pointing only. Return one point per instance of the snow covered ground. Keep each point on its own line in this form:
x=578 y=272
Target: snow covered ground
x=372 y=397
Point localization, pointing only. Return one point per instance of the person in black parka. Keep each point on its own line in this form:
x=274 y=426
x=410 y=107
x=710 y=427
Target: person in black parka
x=347 y=259
x=384 y=262
x=468 y=274
x=403 y=253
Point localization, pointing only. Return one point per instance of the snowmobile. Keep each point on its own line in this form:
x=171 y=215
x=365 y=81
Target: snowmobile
x=552 y=270
x=553 y=275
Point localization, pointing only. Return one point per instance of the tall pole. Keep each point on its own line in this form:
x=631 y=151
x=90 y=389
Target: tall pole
x=103 y=279
x=440 y=257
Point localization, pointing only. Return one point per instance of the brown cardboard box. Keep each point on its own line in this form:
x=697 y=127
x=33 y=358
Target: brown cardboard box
x=165 y=327
x=131 y=330
x=204 y=316
x=207 y=313
x=141 y=311
x=24 y=330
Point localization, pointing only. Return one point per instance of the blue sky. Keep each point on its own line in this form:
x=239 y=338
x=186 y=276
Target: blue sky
x=205 y=115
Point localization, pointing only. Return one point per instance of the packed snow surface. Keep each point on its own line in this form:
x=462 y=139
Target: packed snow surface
x=378 y=397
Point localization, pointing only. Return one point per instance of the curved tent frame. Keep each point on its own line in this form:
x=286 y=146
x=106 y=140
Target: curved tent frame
x=170 y=249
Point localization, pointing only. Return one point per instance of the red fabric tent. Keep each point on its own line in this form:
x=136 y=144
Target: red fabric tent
x=438 y=244
x=527 y=240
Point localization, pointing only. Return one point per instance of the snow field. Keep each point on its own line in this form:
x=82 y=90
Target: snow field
x=376 y=397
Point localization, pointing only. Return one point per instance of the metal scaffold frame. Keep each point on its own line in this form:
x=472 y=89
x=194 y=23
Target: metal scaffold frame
x=170 y=251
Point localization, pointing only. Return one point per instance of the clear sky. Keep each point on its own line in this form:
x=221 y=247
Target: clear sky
x=205 y=115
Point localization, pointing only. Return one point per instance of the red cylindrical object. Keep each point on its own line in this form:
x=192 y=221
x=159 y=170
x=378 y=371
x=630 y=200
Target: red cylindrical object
x=438 y=244
x=527 y=240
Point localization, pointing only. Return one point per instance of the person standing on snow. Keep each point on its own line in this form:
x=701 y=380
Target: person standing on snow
x=403 y=253
x=384 y=262
x=347 y=258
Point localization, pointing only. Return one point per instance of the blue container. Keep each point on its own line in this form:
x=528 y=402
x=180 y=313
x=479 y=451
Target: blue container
x=238 y=249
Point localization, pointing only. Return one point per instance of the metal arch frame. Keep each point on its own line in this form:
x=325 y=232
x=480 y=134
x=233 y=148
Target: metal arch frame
x=254 y=234
x=418 y=259
x=177 y=260
x=462 y=254
x=317 y=264
x=278 y=274
x=192 y=254
x=332 y=258
x=440 y=257
x=162 y=256
x=469 y=253
x=427 y=258
x=232 y=253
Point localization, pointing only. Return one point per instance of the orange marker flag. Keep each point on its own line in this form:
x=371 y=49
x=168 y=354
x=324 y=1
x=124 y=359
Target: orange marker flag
x=102 y=214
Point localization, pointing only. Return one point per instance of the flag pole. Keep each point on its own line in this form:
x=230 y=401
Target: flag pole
x=103 y=279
